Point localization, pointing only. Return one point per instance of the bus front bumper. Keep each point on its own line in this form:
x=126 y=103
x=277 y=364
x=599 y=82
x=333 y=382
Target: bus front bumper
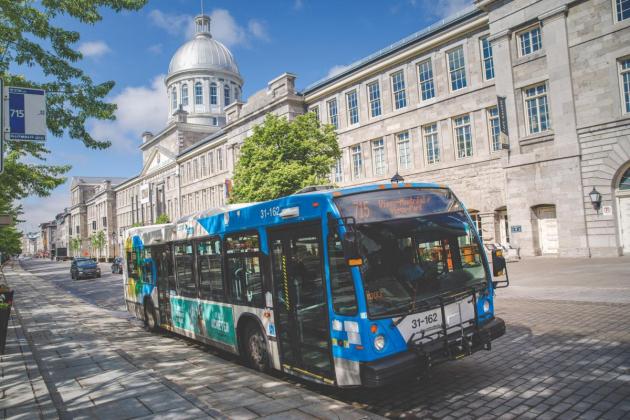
x=419 y=360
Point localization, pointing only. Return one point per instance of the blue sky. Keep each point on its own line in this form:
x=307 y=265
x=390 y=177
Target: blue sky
x=309 y=38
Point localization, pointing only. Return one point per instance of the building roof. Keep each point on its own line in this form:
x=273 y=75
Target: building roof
x=95 y=180
x=203 y=52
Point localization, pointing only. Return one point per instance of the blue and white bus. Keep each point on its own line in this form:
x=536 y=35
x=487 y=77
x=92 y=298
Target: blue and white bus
x=358 y=286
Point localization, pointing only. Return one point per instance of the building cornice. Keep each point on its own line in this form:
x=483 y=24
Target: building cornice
x=394 y=58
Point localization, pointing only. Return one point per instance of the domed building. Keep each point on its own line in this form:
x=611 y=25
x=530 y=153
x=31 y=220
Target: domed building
x=203 y=78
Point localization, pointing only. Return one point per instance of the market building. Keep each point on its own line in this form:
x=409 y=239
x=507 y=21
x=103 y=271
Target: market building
x=521 y=107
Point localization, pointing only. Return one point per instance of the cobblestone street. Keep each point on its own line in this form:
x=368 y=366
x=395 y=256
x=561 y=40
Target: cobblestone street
x=558 y=359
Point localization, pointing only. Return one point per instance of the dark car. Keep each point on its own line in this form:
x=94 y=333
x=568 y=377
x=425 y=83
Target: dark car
x=117 y=265
x=84 y=268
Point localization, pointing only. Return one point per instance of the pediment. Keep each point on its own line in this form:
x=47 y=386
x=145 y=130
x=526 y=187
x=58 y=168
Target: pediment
x=158 y=158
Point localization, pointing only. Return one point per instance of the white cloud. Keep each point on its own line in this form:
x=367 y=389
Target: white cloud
x=39 y=210
x=94 y=49
x=223 y=26
x=171 y=23
x=438 y=9
x=335 y=70
x=140 y=108
x=155 y=49
x=258 y=29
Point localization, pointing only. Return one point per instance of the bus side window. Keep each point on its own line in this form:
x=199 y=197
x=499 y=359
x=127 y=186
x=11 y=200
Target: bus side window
x=341 y=283
x=184 y=267
x=167 y=261
x=243 y=266
x=210 y=269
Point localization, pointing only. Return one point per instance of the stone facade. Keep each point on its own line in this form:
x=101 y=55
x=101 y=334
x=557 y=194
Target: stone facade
x=556 y=63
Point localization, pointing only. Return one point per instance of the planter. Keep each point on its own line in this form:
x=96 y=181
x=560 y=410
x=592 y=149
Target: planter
x=6 y=300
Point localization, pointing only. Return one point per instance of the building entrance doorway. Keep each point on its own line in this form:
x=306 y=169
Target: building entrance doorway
x=623 y=211
x=547 y=229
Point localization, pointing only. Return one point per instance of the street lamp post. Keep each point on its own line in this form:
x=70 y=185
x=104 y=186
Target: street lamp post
x=114 y=240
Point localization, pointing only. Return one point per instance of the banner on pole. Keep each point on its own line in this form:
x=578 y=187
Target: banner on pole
x=25 y=115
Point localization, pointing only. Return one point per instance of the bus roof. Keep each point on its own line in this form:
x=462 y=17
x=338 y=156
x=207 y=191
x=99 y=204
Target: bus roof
x=237 y=217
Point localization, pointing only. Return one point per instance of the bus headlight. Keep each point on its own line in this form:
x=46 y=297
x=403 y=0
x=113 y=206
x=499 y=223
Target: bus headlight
x=486 y=306
x=379 y=342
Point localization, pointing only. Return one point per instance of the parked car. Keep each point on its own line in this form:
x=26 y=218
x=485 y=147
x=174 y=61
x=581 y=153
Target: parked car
x=83 y=268
x=117 y=265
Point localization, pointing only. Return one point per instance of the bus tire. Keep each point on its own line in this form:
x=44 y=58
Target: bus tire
x=150 y=319
x=256 y=353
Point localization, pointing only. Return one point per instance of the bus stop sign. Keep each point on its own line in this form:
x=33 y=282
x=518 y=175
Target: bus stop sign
x=25 y=116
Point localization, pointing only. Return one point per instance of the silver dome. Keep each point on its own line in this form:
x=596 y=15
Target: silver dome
x=203 y=53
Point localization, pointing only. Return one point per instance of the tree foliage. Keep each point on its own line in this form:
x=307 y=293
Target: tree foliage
x=162 y=219
x=98 y=241
x=283 y=156
x=30 y=38
x=75 y=245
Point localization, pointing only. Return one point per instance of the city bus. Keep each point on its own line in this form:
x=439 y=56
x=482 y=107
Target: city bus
x=357 y=286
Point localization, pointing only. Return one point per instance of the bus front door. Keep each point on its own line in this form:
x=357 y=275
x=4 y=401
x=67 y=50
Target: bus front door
x=300 y=308
x=165 y=281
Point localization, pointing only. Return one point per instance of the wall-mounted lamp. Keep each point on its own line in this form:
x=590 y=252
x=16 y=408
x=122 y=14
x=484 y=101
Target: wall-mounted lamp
x=397 y=178
x=596 y=199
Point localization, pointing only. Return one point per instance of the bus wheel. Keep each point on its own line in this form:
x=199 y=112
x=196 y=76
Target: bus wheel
x=150 y=320
x=256 y=349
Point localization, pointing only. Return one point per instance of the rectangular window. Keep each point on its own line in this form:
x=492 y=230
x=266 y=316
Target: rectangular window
x=198 y=94
x=431 y=144
x=184 y=263
x=488 y=61
x=398 y=87
x=622 y=7
x=494 y=128
x=625 y=82
x=457 y=68
x=537 y=109
x=243 y=265
x=196 y=169
x=94 y=225
x=315 y=110
x=353 y=107
x=343 y=294
x=378 y=156
x=210 y=269
x=104 y=220
x=530 y=41
x=211 y=162
x=463 y=136
x=219 y=159
x=332 y=113
x=425 y=73
x=357 y=162
x=203 y=166
x=404 y=150
x=374 y=94
x=338 y=171
x=188 y=172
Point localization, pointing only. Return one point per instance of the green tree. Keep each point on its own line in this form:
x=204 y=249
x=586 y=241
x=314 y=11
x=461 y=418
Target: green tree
x=75 y=246
x=283 y=156
x=162 y=219
x=31 y=36
x=98 y=241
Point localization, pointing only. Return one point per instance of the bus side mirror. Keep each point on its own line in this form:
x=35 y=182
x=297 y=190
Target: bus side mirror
x=499 y=268
x=351 y=248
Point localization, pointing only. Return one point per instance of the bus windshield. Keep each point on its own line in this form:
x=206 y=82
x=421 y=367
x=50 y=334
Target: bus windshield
x=416 y=245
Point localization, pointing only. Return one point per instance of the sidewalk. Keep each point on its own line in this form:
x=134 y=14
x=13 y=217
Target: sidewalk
x=96 y=363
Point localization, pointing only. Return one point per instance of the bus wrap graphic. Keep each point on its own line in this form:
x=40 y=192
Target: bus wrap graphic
x=216 y=322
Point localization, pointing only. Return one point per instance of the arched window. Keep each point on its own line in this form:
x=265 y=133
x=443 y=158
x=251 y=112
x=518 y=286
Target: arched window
x=226 y=95
x=198 y=94
x=237 y=93
x=213 y=93
x=174 y=99
x=185 y=94
x=624 y=184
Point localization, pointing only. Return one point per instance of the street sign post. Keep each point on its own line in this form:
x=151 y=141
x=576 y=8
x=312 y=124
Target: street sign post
x=25 y=115
x=1 y=128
